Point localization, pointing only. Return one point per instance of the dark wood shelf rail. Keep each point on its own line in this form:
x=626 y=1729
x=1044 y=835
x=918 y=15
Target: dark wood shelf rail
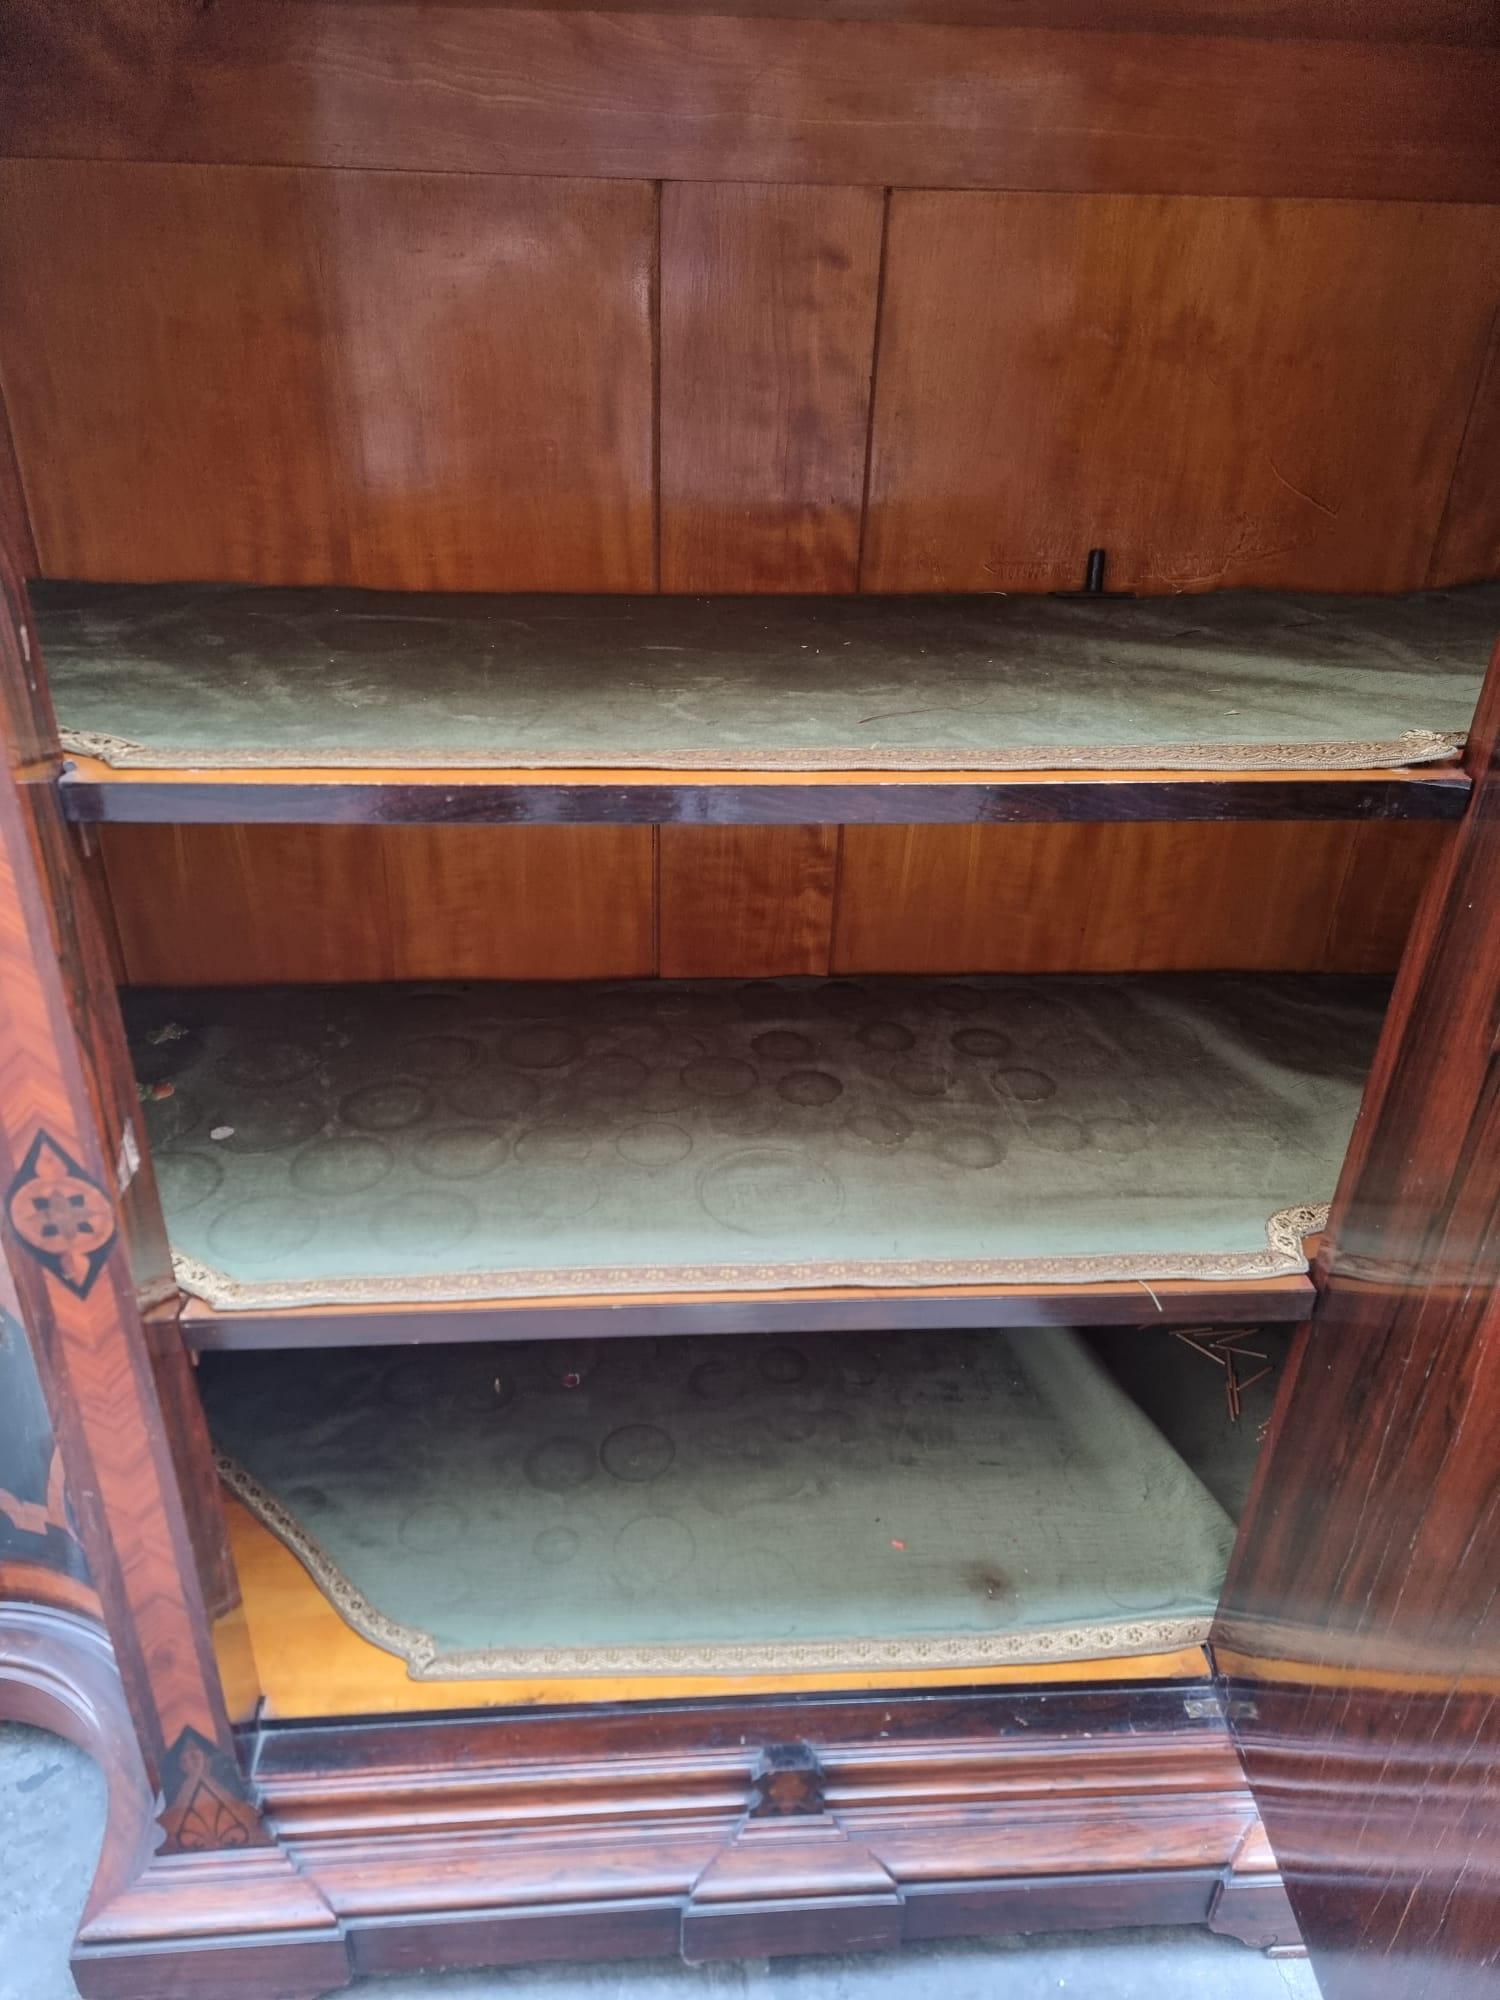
x=92 y=794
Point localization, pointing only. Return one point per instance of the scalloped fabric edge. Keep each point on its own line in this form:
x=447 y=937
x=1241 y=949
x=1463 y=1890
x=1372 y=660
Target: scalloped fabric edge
x=1413 y=746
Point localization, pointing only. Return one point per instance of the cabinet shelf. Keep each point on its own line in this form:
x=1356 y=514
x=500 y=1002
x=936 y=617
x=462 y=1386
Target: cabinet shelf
x=184 y=703
x=352 y=1164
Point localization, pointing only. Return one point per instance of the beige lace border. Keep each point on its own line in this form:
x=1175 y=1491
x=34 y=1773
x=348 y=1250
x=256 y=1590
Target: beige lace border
x=1413 y=746
x=1283 y=1257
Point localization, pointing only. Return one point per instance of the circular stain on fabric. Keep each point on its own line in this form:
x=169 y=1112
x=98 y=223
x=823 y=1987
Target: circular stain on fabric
x=766 y=1192
x=551 y=1193
x=982 y=1042
x=970 y=1148
x=555 y=1546
x=637 y=1453
x=920 y=1079
x=785 y=1366
x=499 y=1097
x=439 y=1055
x=795 y=1426
x=540 y=1047
x=783 y=1045
x=341 y=1166
x=431 y=1529
x=810 y=1086
x=719 y=1076
x=266 y=1225
x=718 y=1381
x=423 y=1224
x=185 y=1179
x=651 y=1551
x=958 y=999
x=265 y=1065
x=880 y=1128
x=654 y=1042
x=555 y=1144
x=559 y=1464
x=1056 y=1135
x=756 y=1469
x=272 y=1124
x=386 y=1107
x=888 y=1036
x=1025 y=1086
x=1115 y=1135
x=612 y=1075
x=459 y=1153
x=655 y=1144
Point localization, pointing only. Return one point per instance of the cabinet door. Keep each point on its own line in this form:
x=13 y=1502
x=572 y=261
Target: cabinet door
x=1359 y=1639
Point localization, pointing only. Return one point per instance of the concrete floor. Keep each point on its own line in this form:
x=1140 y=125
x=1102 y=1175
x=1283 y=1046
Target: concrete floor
x=52 y=1816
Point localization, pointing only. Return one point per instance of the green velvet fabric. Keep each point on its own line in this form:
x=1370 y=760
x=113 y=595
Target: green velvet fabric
x=358 y=1143
x=727 y=1505
x=218 y=675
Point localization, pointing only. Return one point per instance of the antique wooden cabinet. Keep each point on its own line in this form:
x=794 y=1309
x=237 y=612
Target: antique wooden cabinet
x=721 y=729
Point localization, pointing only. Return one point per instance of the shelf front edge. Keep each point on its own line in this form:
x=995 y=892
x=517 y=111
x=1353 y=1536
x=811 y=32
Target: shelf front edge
x=93 y=793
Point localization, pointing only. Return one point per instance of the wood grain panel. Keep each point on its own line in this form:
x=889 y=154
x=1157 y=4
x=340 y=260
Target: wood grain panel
x=227 y=905
x=641 y=96
x=1468 y=542
x=220 y=905
x=1389 y=867
x=747 y=902
x=492 y=389
x=1124 y=898
x=530 y=902
x=768 y=299
x=401 y=381
x=988 y=899
x=1261 y=897
x=1218 y=392
x=15 y=517
x=165 y=369
x=249 y=905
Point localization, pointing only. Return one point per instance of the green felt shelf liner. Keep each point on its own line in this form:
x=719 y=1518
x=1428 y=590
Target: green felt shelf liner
x=218 y=676
x=325 y=1145
x=837 y=1503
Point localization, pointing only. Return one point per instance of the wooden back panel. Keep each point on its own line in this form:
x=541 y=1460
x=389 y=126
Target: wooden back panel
x=419 y=381
x=209 y=905
x=420 y=296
